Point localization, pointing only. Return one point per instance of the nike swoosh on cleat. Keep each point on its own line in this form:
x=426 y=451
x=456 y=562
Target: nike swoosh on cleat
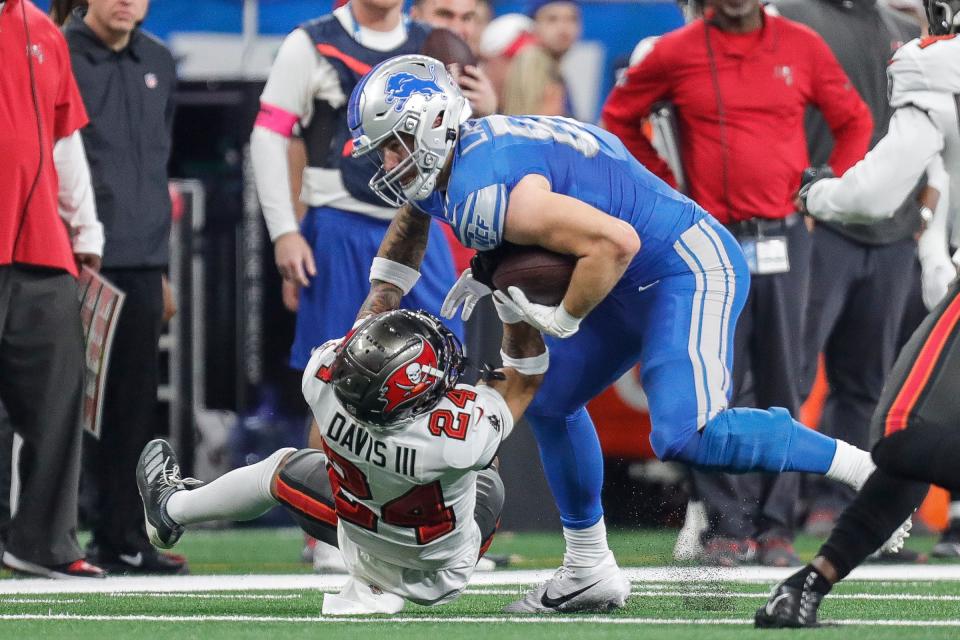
x=773 y=603
x=553 y=603
x=135 y=560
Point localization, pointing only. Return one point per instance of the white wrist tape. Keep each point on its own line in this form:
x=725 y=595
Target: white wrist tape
x=527 y=366
x=564 y=320
x=395 y=273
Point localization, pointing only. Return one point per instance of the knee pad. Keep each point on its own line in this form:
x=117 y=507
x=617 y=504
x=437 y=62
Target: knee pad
x=490 y=499
x=741 y=440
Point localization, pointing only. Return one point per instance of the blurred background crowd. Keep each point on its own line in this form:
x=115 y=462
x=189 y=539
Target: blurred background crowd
x=211 y=218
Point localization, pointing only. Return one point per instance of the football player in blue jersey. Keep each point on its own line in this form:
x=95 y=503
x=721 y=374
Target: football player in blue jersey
x=657 y=282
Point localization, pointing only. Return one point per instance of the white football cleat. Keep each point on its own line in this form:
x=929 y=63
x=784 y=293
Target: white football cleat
x=571 y=589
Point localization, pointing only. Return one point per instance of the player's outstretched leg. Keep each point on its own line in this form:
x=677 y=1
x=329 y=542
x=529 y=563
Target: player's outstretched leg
x=740 y=440
x=876 y=513
x=589 y=579
x=241 y=494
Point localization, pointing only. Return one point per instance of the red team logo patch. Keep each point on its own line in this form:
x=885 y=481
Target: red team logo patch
x=411 y=379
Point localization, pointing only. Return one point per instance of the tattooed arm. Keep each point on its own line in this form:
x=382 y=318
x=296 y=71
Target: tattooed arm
x=405 y=242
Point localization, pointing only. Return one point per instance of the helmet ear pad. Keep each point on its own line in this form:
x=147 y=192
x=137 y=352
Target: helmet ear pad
x=395 y=366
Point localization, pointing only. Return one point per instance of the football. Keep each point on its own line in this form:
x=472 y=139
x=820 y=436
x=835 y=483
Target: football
x=542 y=275
x=448 y=48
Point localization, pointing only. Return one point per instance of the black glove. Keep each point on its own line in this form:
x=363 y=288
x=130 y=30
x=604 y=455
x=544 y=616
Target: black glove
x=810 y=176
x=484 y=263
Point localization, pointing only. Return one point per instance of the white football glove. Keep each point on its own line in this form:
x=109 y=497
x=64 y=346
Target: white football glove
x=465 y=291
x=555 y=321
x=508 y=310
x=897 y=539
x=936 y=279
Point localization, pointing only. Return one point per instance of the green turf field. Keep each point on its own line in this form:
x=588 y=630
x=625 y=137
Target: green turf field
x=703 y=607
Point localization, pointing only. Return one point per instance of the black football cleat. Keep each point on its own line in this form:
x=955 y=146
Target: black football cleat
x=158 y=478
x=791 y=606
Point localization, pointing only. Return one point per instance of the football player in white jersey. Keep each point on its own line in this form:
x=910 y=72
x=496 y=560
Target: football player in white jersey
x=919 y=410
x=406 y=484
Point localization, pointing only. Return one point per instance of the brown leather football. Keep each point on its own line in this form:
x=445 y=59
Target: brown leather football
x=542 y=275
x=448 y=48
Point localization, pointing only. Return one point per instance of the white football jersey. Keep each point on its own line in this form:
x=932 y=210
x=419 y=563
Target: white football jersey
x=923 y=135
x=407 y=497
x=926 y=73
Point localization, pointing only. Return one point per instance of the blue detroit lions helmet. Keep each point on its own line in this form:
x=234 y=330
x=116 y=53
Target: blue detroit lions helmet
x=415 y=96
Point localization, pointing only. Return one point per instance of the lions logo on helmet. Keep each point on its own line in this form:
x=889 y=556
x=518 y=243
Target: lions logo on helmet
x=411 y=379
x=403 y=85
x=397 y=102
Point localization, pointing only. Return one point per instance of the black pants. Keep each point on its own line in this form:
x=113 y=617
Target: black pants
x=919 y=418
x=767 y=354
x=129 y=413
x=41 y=386
x=6 y=465
x=858 y=295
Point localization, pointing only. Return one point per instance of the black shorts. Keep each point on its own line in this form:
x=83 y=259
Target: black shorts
x=919 y=410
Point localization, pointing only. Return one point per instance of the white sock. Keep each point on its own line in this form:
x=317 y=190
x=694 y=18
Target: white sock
x=586 y=547
x=242 y=494
x=850 y=465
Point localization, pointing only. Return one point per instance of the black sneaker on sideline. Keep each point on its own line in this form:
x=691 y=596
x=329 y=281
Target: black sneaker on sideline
x=149 y=561
x=949 y=544
x=76 y=569
x=904 y=556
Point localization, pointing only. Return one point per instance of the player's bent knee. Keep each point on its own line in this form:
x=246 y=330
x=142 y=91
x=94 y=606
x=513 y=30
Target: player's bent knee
x=303 y=488
x=490 y=498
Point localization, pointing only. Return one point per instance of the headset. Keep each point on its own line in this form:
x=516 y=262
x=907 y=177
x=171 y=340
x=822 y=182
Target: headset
x=36 y=110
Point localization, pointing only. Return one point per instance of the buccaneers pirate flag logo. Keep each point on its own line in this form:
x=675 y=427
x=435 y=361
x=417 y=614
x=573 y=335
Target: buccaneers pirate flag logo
x=411 y=379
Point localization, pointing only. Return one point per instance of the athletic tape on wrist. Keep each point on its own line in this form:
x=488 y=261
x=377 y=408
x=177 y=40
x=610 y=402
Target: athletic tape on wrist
x=527 y=366
x=395 y=273
x=564 y=320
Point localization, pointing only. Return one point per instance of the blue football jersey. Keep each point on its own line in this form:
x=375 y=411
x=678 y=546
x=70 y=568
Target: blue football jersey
x=579 y=160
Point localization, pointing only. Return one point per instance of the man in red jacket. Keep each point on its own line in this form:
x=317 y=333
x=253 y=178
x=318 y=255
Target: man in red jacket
x=740 y=81
x=46 y=188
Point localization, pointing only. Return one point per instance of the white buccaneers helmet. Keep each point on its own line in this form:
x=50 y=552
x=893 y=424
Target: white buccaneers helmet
x=414 y=100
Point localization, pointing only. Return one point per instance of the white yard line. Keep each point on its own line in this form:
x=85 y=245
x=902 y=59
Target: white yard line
x=761 y=595
x=215 y=596
x=592 y=620
x=302 y=582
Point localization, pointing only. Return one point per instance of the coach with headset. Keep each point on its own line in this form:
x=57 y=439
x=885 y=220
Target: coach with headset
x=48 y=228
x=740 y=80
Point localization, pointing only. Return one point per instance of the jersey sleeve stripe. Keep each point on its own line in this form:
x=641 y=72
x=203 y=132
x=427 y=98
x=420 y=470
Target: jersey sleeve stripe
x=276 y=119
